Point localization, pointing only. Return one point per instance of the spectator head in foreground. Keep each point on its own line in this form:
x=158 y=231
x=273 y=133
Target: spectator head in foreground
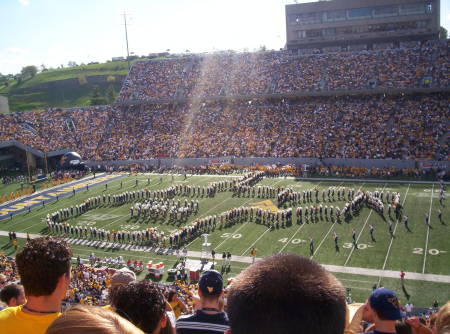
x=443 y=320
x=44 y=269
x=210 y=286
x=142 y=303
x=209 y=316
x=287 y=294
x=91 y=320
x=384 y=308
x=122 y=276
x=12 y=295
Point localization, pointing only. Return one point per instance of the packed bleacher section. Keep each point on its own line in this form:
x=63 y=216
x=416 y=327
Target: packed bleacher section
x=398 y=127
x=279 y=72
x=348 y=126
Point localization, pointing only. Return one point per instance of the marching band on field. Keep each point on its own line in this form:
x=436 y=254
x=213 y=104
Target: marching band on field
x=158 y=204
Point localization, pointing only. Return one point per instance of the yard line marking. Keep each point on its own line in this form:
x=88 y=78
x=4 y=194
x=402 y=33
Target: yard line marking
x=392 y=239
x=120 y=207
x=428 y=232
x=262 y=234
x=303 y=224
x=289 y=241
x=331 y=228
x=247 y=261
x=360 y=233
x=254 y=243
x=250 y=199
x=324 y=238
x=218 y=246
x=94 y=194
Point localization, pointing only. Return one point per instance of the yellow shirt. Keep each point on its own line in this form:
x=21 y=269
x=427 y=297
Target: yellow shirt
x=14 y=321
x=176 y=308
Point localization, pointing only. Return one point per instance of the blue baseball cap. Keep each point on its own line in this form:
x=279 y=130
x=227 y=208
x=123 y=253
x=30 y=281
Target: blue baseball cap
x=385 y=303
x=211 y=283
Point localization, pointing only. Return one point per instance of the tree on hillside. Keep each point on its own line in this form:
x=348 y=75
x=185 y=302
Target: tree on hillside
x=43 y=68
x=3 y=80
x=72 y=63
x=97 y=98
x=110 y=94
x=29 y=71
x=19 y=78
x=443 y=33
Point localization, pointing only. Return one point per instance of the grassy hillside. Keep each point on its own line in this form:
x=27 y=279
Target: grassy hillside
x=62 y=87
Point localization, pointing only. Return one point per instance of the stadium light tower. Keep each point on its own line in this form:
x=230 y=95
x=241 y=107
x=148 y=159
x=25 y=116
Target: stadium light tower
x=126 y=38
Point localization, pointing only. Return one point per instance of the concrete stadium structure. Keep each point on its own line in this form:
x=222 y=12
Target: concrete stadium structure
x=351 y=25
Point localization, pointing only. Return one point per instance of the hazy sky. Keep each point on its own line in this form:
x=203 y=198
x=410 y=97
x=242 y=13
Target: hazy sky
x=54 y=32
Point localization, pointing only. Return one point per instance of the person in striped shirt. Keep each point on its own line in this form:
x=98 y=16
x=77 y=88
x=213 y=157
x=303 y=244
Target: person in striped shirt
x=209 y=317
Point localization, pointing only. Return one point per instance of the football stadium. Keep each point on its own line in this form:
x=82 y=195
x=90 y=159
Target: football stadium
x=299 y=190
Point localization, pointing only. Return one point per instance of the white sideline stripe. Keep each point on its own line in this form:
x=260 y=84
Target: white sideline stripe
x=355 y=280
x=62 y=185
x=246 y=259
x=359 y=235
x=392 y=239
x=428 y=233
x=52 y=209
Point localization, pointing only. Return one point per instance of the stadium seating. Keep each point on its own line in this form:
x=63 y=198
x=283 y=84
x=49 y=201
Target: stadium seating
x=353 y=127
x=397 y=127
x=261 y=73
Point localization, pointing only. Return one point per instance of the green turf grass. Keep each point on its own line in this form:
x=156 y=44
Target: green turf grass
x=396 y=254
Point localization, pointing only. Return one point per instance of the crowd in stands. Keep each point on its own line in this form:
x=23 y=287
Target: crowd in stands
x=399 y=127
x=283 y=293
x=259 y=73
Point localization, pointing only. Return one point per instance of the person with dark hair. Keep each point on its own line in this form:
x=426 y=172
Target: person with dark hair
x=383 y=307
x=209 y=318
x=44 y=269
x=402 y=327
x=142 y=303
x=12 y=295
x=289 y=294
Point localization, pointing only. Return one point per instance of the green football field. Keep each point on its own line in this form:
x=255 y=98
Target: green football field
x=423 y=251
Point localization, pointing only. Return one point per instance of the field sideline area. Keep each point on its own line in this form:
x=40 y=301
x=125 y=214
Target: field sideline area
x=425 y=251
